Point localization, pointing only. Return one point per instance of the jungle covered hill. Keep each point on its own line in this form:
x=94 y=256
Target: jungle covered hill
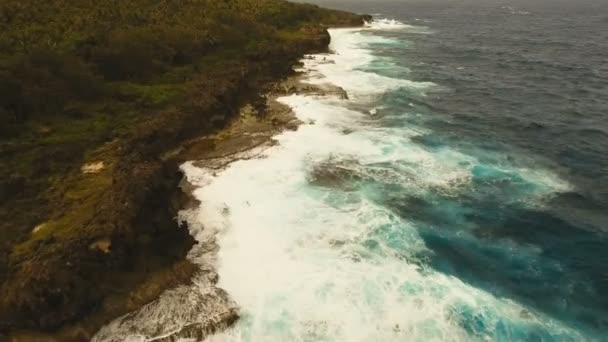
x=93 y=94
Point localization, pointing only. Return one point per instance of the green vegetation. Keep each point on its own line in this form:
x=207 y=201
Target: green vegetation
x=74 y=74
x=58 y=53
x=118 y=81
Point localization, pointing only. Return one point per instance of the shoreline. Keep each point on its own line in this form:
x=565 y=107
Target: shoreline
x=246 y=137
x=254 y=128
x=127 y=162
x=260 y=209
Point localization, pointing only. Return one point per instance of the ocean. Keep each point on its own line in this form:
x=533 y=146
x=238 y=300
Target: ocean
x=460 y=193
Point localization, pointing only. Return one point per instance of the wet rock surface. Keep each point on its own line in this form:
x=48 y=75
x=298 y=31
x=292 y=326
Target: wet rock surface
x=113 y=245
x=201 y=308
x=339 y=174
x=107 y=242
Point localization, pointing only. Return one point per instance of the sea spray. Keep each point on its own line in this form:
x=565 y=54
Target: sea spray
x=310 y=249
x=356 y=226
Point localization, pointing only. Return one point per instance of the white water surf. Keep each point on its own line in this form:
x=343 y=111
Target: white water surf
x=296 y=258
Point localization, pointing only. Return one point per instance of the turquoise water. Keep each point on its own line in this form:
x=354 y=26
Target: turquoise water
x=459 y=194
x=370 y=224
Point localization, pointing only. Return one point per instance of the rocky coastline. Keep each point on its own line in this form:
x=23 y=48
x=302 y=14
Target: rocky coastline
x=133 y=249
x=202 y=307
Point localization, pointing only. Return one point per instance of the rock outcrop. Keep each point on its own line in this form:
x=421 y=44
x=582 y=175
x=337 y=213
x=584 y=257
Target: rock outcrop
x=109 y=242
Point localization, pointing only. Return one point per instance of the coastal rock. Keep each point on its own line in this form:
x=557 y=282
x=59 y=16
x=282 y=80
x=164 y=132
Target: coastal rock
x=94 y=167
x=111 y=244
x=339 y=174
x=38 y=228
x=293 y=125
x=103 y=246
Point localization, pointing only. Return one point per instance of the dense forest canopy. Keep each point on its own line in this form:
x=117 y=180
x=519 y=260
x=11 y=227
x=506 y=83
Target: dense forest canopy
x=74 y=74
x=57 y=52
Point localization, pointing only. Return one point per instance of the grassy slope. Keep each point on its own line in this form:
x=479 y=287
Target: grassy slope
x=122 y=82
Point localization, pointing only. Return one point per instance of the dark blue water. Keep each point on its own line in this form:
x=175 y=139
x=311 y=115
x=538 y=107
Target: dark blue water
x=524 y=85
x=459 y=193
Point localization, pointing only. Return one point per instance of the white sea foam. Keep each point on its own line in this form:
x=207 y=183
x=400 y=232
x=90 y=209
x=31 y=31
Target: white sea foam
x=297 y=258
x=343 y=67
x=384 y=24
x=297 y=265
x=306 y=263
x=387 y=24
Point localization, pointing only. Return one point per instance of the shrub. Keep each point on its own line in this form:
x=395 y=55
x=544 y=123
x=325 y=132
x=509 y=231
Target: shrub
x=42 y=82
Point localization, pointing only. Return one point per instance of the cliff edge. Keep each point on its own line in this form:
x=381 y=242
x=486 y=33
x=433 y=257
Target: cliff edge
x=93 y=96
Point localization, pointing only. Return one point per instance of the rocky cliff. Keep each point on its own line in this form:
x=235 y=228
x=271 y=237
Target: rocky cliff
x=89 y=189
